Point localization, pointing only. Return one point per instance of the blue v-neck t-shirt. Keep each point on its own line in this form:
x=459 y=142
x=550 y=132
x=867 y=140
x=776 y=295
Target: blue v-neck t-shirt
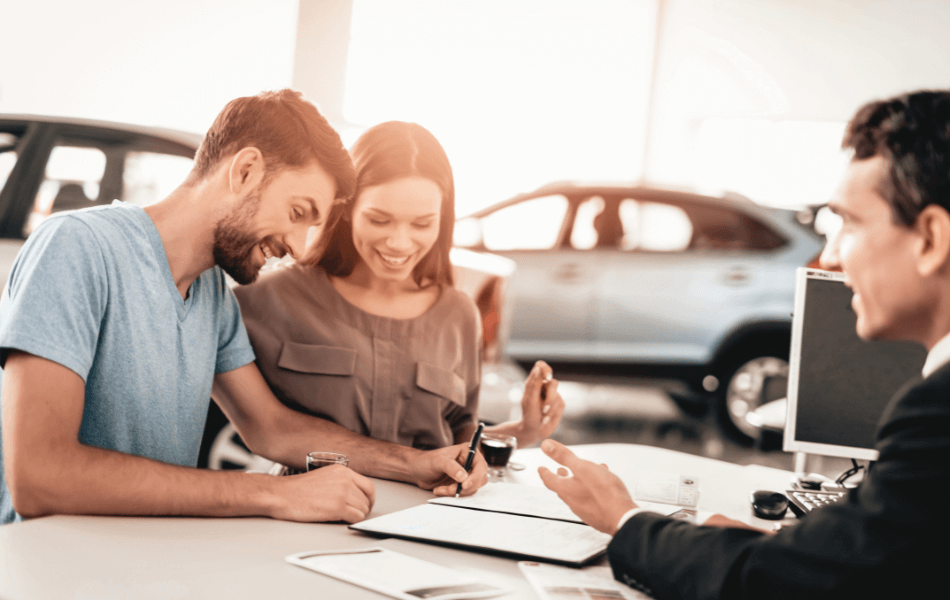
x=92 y=291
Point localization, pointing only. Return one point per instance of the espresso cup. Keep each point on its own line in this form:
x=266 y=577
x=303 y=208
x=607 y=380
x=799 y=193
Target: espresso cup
x=497 y=450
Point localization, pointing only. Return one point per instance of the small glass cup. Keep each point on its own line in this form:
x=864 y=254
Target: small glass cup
x=497 y=449
x=315 y=460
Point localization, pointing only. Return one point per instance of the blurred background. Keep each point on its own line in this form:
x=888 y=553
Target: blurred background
x=728 y=99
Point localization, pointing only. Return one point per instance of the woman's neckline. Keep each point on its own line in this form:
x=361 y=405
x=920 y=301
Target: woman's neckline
x=428 y=309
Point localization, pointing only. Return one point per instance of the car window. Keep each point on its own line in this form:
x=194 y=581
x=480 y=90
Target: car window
x=71 y=180
x=725 y=228
x=654 y=226
x=151 y=176
x=529 y=225
x=584 y=234
x=8 y=155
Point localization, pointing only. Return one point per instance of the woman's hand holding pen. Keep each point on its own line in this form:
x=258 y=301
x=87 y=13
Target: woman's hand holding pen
x=442 y=469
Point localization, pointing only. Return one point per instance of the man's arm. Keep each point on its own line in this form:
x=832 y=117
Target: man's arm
x=48 y=470
x=878 y=542
x=286 y=436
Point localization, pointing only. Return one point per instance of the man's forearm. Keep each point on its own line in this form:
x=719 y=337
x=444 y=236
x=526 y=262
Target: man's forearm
x=89 y=480
x=300 y=434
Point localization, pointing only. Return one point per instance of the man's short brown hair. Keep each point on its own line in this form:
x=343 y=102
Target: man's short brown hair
x=288 y=130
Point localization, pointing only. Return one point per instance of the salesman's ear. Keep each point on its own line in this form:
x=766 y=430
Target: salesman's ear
x=933 y=227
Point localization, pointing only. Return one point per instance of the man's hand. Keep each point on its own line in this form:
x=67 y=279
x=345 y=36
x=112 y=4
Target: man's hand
x=592 y=492
x=442 y=469
x=333 y=493
x=541 y=406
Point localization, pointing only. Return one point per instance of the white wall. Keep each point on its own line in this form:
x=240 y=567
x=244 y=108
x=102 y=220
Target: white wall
x=752 y=95
x=172 y=63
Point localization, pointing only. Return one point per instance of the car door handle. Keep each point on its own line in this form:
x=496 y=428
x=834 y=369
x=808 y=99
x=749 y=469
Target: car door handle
x=737 y=276
x=568 y=273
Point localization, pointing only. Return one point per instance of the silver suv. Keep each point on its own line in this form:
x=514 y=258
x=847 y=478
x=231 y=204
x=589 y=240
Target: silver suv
x=655 y=281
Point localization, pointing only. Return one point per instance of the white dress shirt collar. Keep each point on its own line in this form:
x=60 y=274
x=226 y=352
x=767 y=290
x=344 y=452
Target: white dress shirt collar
x=938 y=356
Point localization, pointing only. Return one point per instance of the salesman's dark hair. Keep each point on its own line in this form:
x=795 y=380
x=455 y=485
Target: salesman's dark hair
x=384 y=153
x=912 y=133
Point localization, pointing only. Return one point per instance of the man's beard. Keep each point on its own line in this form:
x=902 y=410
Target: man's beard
x=233 y=246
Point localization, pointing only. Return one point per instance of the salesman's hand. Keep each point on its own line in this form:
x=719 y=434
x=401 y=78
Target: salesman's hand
x=442 y=469
x=592 y=492
x=333 y=493
x=540 y=412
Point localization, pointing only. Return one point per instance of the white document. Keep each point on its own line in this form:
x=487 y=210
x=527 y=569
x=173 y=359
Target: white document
x=528 y=500
x=544 y=539
x=669 y=488
x=551 y=582
x=395 y=574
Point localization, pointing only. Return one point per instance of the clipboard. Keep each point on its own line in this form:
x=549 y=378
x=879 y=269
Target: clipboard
x=516 y=536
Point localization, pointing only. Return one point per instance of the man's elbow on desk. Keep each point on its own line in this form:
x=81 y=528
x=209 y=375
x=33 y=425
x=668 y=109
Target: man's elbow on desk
x=32 y=492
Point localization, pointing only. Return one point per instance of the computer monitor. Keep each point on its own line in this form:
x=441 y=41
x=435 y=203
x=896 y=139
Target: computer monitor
x=839 y=384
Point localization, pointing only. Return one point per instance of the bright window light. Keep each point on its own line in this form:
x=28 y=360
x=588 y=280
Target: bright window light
x=779 y=163
x=518 y=93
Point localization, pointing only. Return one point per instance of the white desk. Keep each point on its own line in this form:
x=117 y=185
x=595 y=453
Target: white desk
x=65 y=557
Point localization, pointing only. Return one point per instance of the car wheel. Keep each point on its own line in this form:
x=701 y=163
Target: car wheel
x=222 y=447
x=747 y=383
x=228 y=450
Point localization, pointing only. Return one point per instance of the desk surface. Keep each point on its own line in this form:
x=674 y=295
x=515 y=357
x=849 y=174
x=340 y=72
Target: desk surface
x=175 y=558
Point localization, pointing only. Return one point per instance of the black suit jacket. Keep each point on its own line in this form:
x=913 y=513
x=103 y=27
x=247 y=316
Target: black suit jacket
x=889 y=538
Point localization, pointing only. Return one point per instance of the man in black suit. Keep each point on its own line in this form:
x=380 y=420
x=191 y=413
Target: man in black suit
x=887 y=538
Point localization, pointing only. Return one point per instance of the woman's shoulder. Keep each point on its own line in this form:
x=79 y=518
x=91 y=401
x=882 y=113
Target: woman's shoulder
x=458 y=304
x=282 y=282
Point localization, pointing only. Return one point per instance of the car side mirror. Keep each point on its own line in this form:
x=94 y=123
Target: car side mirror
x=467 y=233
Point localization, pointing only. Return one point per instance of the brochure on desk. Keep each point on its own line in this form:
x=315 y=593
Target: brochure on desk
x=521 y=536
x=395 y=574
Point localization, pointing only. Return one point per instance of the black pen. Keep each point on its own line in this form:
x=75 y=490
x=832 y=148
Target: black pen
x=471 y=454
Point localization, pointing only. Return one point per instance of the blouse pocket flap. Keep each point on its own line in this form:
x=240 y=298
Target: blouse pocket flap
x=323 y=360
x=441 y=382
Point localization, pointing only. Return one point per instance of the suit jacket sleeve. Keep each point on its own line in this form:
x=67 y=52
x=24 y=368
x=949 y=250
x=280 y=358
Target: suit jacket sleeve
x=886 y=539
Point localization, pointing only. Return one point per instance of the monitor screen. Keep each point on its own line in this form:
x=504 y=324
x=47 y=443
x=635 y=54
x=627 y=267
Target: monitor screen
x=839 y=384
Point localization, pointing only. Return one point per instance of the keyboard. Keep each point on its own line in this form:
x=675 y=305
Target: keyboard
x=803 y=502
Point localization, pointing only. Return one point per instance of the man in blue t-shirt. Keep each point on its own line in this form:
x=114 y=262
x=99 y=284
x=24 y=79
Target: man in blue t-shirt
x=117 y=321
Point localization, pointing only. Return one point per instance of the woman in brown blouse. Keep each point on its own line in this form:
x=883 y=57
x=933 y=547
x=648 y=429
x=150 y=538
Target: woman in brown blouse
x=374 y=336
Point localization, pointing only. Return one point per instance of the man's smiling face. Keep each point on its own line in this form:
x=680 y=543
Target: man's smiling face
x=877 y=255
x=273 y=220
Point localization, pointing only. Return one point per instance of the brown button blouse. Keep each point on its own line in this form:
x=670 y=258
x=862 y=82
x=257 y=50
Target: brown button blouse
x=413 y=382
